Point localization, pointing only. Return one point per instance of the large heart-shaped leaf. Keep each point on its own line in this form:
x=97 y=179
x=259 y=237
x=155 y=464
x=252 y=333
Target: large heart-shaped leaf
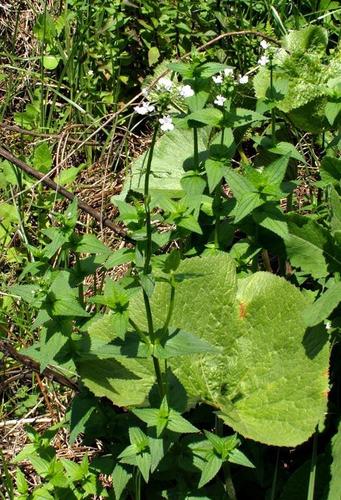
x=269 y=381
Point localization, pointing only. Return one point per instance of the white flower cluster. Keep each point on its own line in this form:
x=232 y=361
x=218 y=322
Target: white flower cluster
x=165 y=84
x=219 y=78
x=144 y=108
x=243 y=79
x=166 y=123
x=263 y=60
x=186 y=91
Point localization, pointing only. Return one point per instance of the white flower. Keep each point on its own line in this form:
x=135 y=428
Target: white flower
x=90 y=72
x=144 y=108
x=264 y=44
x=328 y=325
x=228 y=72
x=166 y=123
x=263 y=61
x=186 y=91
x=219 y=100
x=218 y=79
x=243 y=79
x=165 y=83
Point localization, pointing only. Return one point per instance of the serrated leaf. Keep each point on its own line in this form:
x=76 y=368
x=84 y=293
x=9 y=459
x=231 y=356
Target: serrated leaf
x=210 y=469
x=305 y=245
x=209 y=69
x=237 y=457
x=215 y=171
x=245 y=205
x=253 y=381
x=275 y=172
x=323 y=306
x=207 y=116
x=238 y=183
x=177 y=423
x=120 y=479
x=81 y=411
x=122 y=256
x=89 y=243
x=287 y=149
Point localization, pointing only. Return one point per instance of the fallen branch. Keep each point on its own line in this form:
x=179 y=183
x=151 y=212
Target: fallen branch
x=50 y=373
x=64 y=192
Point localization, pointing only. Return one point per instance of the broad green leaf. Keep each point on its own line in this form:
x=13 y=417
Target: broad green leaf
x=215 y=171
x=332 y=111
x=287 y=149
x=237 y=457
x=122 y=256
x=275 y=172
x=22 y=484
x=173 y=154
x=324 y=305
x=309 y=38
x=62 y=299
x=209 y=69
x=53 y=341
x=81 y=410
x=207 y=116
x=126 y=382
x=253 y=381
x=238 y=183
x=307 y=245
x=177 y=423
x=120 y=479
x=245 y=205
x=331 y=170
x=183 y=69
x=271 y=217
x=68 y=175
x=335 y=206
x=335 y=482
x=241 y=117
x=89 y=243
x=153 y=56
x=42 y=158
x=210 y=469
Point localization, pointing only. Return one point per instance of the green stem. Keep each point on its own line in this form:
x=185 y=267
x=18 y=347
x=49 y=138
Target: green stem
x=146 y=268
x=229 y=487
x=273 y=114
x=217 y=215
x=274 y=481
x=196 y=149
x=171 y=308
x=138 y=485
x=312 y=473
x=148 y=256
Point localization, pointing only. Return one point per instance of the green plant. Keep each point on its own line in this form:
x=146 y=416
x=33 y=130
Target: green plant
x=200 y=339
